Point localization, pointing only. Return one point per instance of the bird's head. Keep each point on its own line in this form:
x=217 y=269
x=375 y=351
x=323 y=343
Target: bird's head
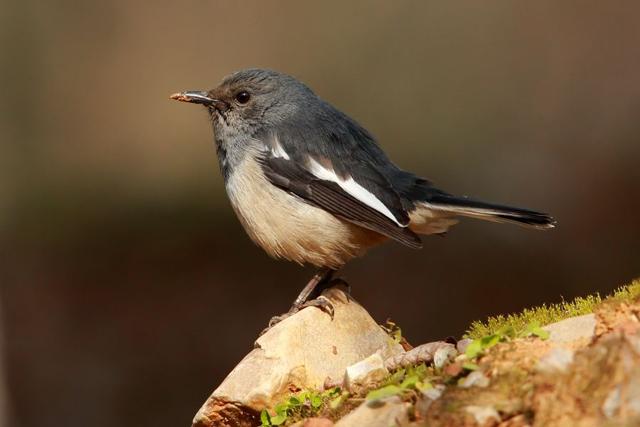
x=250 y=102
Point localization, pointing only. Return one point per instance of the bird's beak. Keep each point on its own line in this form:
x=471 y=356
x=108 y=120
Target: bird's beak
x=195 y=97
x=201 y=97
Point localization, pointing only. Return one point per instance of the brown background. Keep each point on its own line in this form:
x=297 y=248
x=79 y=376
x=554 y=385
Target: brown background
x=128 y=287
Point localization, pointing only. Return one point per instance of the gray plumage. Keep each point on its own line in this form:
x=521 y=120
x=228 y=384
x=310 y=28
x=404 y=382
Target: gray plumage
x=311 y=185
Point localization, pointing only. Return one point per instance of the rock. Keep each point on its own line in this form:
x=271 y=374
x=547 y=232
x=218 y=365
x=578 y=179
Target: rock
x=600 y=387
x=453 y=369
x=444 y=355
x=428 y=397
x=475 y=379
x=483 y=414
x=623 y=400
x=572 y=329
x=286 y=359
x=424 y=353
x=462 y=345
x=517 y=421
x=556 y=360
x=318 y=422
x=434 y=393
x=314 y=422
x=612 y=402
x=380 y=413
x=365 y=373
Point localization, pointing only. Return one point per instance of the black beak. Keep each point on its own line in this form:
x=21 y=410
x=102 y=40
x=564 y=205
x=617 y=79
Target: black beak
x=200 y=97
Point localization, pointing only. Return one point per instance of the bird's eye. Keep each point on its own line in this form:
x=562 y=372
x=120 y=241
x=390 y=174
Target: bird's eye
x=243 y=97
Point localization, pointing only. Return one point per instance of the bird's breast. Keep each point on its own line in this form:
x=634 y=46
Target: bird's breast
x=286 y=226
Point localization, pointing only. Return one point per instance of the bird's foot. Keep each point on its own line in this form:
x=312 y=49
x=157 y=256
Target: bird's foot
x=321 y=303
x=277 y=319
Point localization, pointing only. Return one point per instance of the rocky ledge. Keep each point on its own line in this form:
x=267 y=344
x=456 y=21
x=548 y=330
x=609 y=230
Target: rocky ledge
x=314 y=371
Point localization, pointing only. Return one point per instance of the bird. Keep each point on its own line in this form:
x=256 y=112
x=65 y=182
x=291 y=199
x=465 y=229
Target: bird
x=311 y=185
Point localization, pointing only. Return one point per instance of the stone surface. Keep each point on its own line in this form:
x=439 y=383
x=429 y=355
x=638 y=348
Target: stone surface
x=548 y=378
x=434 y=393
x=444 y=355
x=298 y=353
x=462 y=345
x=557 y=360
x=428 y=397
x=572 y=329
x=380 y=413
x=624 y=399
x=483 y=414
x=314 y=422
x=475 y=379
x=611 y=404
x=365 y=373
x=607 y=372
x=424 y=353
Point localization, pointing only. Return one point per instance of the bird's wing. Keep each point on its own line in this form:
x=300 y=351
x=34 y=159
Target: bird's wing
x=364 y=202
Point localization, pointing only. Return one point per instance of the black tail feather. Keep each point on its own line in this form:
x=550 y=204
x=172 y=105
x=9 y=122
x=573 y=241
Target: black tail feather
x=489 y=211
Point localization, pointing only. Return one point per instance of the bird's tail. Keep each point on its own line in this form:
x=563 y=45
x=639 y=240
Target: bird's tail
x=463 y=206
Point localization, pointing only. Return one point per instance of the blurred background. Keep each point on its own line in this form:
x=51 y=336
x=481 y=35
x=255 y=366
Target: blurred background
x=128 y=288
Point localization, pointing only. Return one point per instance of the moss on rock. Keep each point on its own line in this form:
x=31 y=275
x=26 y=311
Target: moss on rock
x=551 y=313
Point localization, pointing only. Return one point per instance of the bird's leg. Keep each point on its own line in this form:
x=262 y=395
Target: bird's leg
x=309 y=297
x=314 y=288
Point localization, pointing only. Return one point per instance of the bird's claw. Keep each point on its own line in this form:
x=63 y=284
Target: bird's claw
x=277 y=319
x=322 y=303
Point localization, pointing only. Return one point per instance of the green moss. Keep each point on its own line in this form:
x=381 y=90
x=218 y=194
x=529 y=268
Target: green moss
x=626 y=293
x=546 y=314
x=304 y=404
x=403 y=382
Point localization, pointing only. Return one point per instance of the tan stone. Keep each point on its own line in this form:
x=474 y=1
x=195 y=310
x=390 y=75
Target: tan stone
x=572 y=329
x=314 y=422
x=379 y=413
x=298 y=353
x=364 y=374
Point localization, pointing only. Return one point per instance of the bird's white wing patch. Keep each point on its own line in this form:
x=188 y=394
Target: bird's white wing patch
x=277 y=150
x=350 y=186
